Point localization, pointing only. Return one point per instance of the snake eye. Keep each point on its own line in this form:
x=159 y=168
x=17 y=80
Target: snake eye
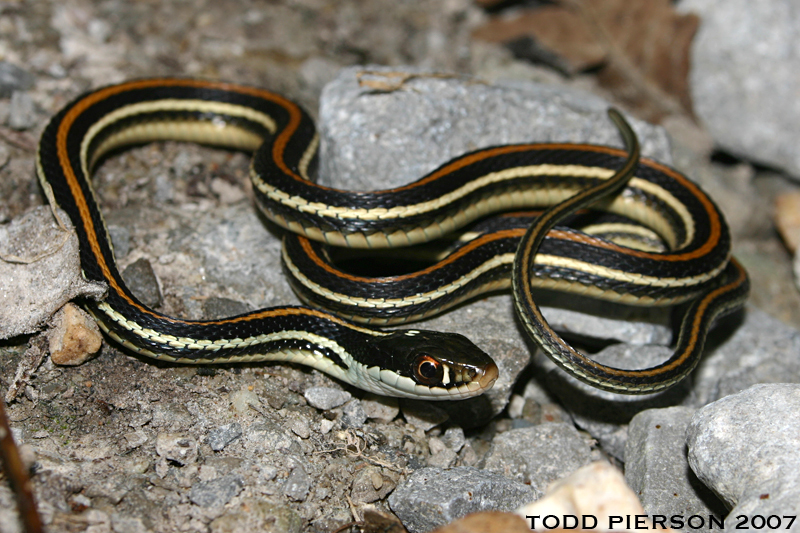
x=428 y=370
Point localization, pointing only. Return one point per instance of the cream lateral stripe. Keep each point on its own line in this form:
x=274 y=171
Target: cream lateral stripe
x=491 y=264
x=229 y=136
x=578 y=171
x=311 y=149
x=301 y=204
x=220 y=108
x=671 y=201
x=626 y=277
x=622 y=228
x=205 y=345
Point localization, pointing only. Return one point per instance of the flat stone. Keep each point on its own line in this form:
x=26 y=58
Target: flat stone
x=744 y=447
x=255 y=514
x=432 y=497
x=656 y=467
x=538 y=455
x=744 y=77
x=369 y=485
x=424 y=415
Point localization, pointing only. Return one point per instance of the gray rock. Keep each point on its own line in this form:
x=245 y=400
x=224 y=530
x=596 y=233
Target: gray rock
x=605 y=415
x=353 y=415
x=538 y=455
x=22 y=111
x=220 y=437
x=39 y=272
x=216 y=492
x=432 y=497
x=744 y=77
x=656 y=467
x=13 y=78
x=373 y=139
x=744 y=447
x=326 y=398
x=298 y=484
x=141 y=279
x=178 y=448
x=761 y=349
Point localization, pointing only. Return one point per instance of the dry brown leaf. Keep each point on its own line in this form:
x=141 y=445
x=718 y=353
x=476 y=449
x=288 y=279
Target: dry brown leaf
x=639 y=47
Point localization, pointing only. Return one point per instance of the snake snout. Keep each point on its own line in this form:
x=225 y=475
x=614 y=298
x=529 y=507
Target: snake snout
x=485 y=376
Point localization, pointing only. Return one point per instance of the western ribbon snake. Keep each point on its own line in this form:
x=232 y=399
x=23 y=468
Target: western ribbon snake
x=407 y=363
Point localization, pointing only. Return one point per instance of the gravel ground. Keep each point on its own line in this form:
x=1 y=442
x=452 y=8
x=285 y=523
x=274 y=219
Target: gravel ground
x=126 y=445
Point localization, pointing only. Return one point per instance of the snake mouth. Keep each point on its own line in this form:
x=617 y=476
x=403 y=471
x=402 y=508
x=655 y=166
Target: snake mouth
x=487 y=376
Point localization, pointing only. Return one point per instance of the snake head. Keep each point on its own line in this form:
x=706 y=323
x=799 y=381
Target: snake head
x=432 y=365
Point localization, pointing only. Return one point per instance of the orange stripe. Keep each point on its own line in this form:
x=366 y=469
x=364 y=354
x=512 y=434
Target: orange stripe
x=475 y=243
x=74 y=184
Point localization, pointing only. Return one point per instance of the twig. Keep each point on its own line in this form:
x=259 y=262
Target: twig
x=21 y=140
x=352 y=440
x=18 y=476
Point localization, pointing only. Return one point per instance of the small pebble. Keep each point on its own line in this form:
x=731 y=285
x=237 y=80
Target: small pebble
x=297 y=484
x=454 y=438
x=353 y=415
x=142 y=280
x=242 y=400
x=14 y=78
x=300 y=428
x=326 y=398
x=75 y=336
x=22 y=111
x=222 y=436
x=325 y=426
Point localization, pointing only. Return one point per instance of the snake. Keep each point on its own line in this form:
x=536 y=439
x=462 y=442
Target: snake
x=410 y=363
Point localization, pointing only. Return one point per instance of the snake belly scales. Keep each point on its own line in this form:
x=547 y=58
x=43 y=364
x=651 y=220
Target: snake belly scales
x=697 y=267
